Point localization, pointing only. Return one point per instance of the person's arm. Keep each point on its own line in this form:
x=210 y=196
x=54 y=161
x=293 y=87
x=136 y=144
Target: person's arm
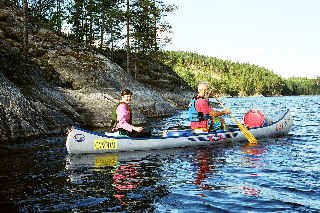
x=215 y=113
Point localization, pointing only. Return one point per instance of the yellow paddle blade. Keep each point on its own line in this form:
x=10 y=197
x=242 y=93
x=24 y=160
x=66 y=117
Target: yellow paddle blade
x=246 y=132
x=243 y=129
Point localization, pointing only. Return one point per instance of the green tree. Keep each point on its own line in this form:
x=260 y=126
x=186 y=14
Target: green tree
x=110 y=22
x=128 y=22
x=76 y=19
x=147 y=27
x=25 y=26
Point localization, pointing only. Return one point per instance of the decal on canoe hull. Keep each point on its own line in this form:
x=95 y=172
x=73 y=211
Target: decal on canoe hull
x=79 y=138
x=282 y=125
x=109 y=143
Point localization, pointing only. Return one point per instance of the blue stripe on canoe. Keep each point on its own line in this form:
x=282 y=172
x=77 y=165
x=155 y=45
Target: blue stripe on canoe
x=106 y=136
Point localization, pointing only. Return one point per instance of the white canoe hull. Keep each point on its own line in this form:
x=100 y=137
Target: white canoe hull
x=81 y=141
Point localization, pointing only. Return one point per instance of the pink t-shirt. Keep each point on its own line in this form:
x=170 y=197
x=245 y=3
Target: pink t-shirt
x=123 y=117
x=202 y=105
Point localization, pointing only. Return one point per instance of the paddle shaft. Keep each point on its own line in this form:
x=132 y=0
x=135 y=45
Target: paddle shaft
x=243 y=129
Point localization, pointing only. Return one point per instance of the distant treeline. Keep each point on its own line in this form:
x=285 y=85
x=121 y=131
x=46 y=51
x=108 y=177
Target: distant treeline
x=236 y=79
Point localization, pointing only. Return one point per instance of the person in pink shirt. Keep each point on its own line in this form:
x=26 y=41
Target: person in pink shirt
x=205 y=112
x=123 y=117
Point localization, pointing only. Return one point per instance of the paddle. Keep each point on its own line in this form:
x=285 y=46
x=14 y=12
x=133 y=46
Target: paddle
x=243 y=129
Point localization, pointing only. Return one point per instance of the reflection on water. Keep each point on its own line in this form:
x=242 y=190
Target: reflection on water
x=253 y=149
x=252 y=157
x=205 y=168
x=135 y=180
x=126 y=179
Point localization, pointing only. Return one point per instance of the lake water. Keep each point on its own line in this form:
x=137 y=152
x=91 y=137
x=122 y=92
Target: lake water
x=277 y=175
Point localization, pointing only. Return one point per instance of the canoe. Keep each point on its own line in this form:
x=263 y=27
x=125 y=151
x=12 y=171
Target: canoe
x=80 y=141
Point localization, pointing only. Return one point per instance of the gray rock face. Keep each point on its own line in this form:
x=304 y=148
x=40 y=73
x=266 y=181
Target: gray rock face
x=31 y=107
x=58 y=86
x=37 y=113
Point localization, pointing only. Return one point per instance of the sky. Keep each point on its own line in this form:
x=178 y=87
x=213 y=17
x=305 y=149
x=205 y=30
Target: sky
x=280 y=35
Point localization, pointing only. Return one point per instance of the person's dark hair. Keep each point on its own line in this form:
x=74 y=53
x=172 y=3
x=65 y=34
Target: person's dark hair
x=126 y=92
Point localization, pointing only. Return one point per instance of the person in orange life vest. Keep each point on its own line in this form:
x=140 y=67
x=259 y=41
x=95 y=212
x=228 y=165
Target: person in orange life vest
x=124 y=117
x=202 y=106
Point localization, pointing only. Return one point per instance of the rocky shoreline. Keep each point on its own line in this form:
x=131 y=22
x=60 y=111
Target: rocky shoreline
x=57 y=85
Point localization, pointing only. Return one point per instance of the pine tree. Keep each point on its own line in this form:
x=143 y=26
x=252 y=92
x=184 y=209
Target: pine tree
x=25 y=27
x=128 y=48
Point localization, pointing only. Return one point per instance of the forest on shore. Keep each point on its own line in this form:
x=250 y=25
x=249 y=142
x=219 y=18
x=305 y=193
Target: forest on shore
x=133 y=34
x=237 y=79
